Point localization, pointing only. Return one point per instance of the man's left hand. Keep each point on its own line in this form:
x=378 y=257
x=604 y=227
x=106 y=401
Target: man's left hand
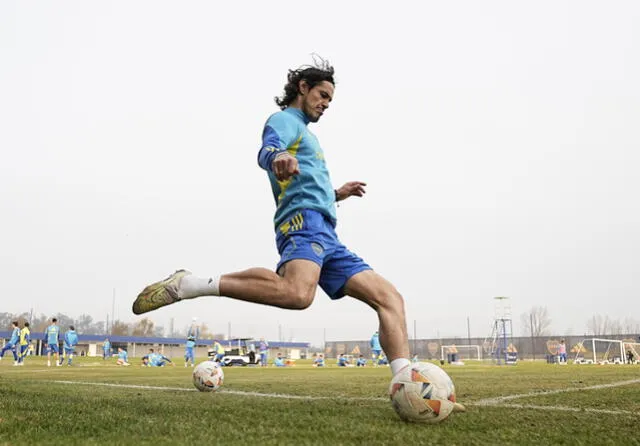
x=352 y=188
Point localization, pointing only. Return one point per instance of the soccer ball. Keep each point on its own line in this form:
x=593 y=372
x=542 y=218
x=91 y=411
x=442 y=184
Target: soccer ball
x=208 y=376
x=423 y=393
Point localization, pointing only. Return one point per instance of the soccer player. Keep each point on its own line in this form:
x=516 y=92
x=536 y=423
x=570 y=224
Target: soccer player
x=305 y=220
x=52 y=338
x=361 y=362
x=263 y=349
x=319 y=361
x=69 y=345
x=376 y=348
x=343 y=361
x=13 y=343
x=106 y=349
x=252 y=353
x=279 y=361
x=219 y=351
x=123 y=357
x=562 y=352
x=25 y=340
x=189 y=354
x=155 y=359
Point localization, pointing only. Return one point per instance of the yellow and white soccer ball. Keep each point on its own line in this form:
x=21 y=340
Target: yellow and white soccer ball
x=423 y=393
x=208 y=376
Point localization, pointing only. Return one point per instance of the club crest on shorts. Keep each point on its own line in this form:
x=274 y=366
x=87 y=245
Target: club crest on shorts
x=317 y=248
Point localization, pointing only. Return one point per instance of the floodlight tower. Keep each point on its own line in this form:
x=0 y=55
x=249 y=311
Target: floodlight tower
x=502 y=329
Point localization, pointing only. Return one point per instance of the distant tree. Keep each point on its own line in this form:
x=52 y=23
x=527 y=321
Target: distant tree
x=144 y=327
x=97 y=328
x=83 y=324
x=158 y=332
x=64 y=321
x=22 y=318
x=39 y=323
x=536 y=321
x=598 y=325
x=615 y=327
x=631 y=326
x=5 y=321
x=205 y=332
x=120 y=328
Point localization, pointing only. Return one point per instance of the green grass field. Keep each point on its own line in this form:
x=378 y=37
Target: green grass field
x=96 y=402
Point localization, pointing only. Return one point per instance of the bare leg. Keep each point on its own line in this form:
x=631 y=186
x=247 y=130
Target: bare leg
x=377 y=292
x=295 y=289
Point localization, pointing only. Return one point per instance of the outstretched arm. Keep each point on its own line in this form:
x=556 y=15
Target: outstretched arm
x=352 y=188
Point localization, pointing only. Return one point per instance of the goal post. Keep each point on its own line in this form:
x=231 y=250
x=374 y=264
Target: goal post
x=461 y=351
x=631 y=351
x=600 y=351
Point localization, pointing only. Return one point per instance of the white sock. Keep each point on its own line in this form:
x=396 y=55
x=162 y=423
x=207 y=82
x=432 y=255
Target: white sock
x=398 y=364
x=191 y=286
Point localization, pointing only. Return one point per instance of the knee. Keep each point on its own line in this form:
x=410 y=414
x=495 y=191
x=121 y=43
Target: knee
x=301 y=301
x=299 y=298
x=389 y=300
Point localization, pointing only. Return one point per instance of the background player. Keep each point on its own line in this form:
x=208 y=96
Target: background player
x=52 y=338
x=13 y=343
x=189 y=350
x=25 y=340
x=106 y=349
x=155 y=359
x=123 y=357
x=376 y=348
x=69 y=345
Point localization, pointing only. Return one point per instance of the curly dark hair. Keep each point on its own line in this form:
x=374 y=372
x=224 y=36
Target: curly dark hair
x=320 y=71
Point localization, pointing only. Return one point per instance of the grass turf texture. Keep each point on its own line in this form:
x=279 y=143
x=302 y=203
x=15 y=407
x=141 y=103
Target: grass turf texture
x=353 y=407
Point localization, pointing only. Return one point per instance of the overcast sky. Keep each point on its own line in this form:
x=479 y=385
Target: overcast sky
x=499 y=141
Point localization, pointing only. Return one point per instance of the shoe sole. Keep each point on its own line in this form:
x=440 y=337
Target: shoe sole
x=159 y=294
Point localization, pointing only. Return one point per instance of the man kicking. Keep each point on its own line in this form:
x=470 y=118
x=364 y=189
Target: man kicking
x=310 y=252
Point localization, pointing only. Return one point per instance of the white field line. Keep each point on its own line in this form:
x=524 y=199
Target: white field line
x=565 y=409
x=501 y=399
x=227 y=391
x=493 y=402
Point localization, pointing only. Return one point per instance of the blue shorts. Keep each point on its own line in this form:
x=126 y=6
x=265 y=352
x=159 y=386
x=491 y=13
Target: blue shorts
x=69 y=350
x=188 y=353
x=311 y=236
x=53 y=348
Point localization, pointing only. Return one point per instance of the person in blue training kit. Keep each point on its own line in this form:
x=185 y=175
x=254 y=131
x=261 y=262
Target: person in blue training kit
x=263 y=349
x=13 y=343
x=190 y=345
x=69 y=345
x=305 y=220
x=123 y=357
x=319 y=361
x=376 y=348
x=25 y=340
x=52 y=338
x=361 y=362
x=106 y=349
x=279 y=361
x=155 y=359
x=343 y=361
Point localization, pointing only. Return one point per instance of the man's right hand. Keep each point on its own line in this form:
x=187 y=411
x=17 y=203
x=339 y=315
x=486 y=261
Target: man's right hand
x=284 y=166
